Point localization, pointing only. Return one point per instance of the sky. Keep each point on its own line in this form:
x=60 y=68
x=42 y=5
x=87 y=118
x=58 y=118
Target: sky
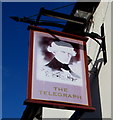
x=15 y=44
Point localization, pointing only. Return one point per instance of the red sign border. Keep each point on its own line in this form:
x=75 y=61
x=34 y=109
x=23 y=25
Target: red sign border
x=30 y=60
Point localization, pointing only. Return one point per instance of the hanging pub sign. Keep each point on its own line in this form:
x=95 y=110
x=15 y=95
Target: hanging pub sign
x=58 y=70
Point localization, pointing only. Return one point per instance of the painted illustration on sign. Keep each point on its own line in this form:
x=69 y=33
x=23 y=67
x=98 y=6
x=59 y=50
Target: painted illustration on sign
x=57 y=61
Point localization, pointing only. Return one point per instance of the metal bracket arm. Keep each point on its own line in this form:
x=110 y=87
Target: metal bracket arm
x=63 y=16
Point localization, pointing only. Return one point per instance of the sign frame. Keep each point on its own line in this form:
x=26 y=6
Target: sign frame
x=56 y=103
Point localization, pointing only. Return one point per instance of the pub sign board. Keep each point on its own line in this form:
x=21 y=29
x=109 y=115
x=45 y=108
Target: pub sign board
x=58 y=71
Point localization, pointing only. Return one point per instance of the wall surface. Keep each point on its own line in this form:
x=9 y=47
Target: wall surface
x=103 y=14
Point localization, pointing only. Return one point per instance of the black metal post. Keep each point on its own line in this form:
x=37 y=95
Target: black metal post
x=77 y=115
x=32 y=111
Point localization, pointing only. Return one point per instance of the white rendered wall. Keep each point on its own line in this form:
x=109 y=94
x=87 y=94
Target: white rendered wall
x=102 y=14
